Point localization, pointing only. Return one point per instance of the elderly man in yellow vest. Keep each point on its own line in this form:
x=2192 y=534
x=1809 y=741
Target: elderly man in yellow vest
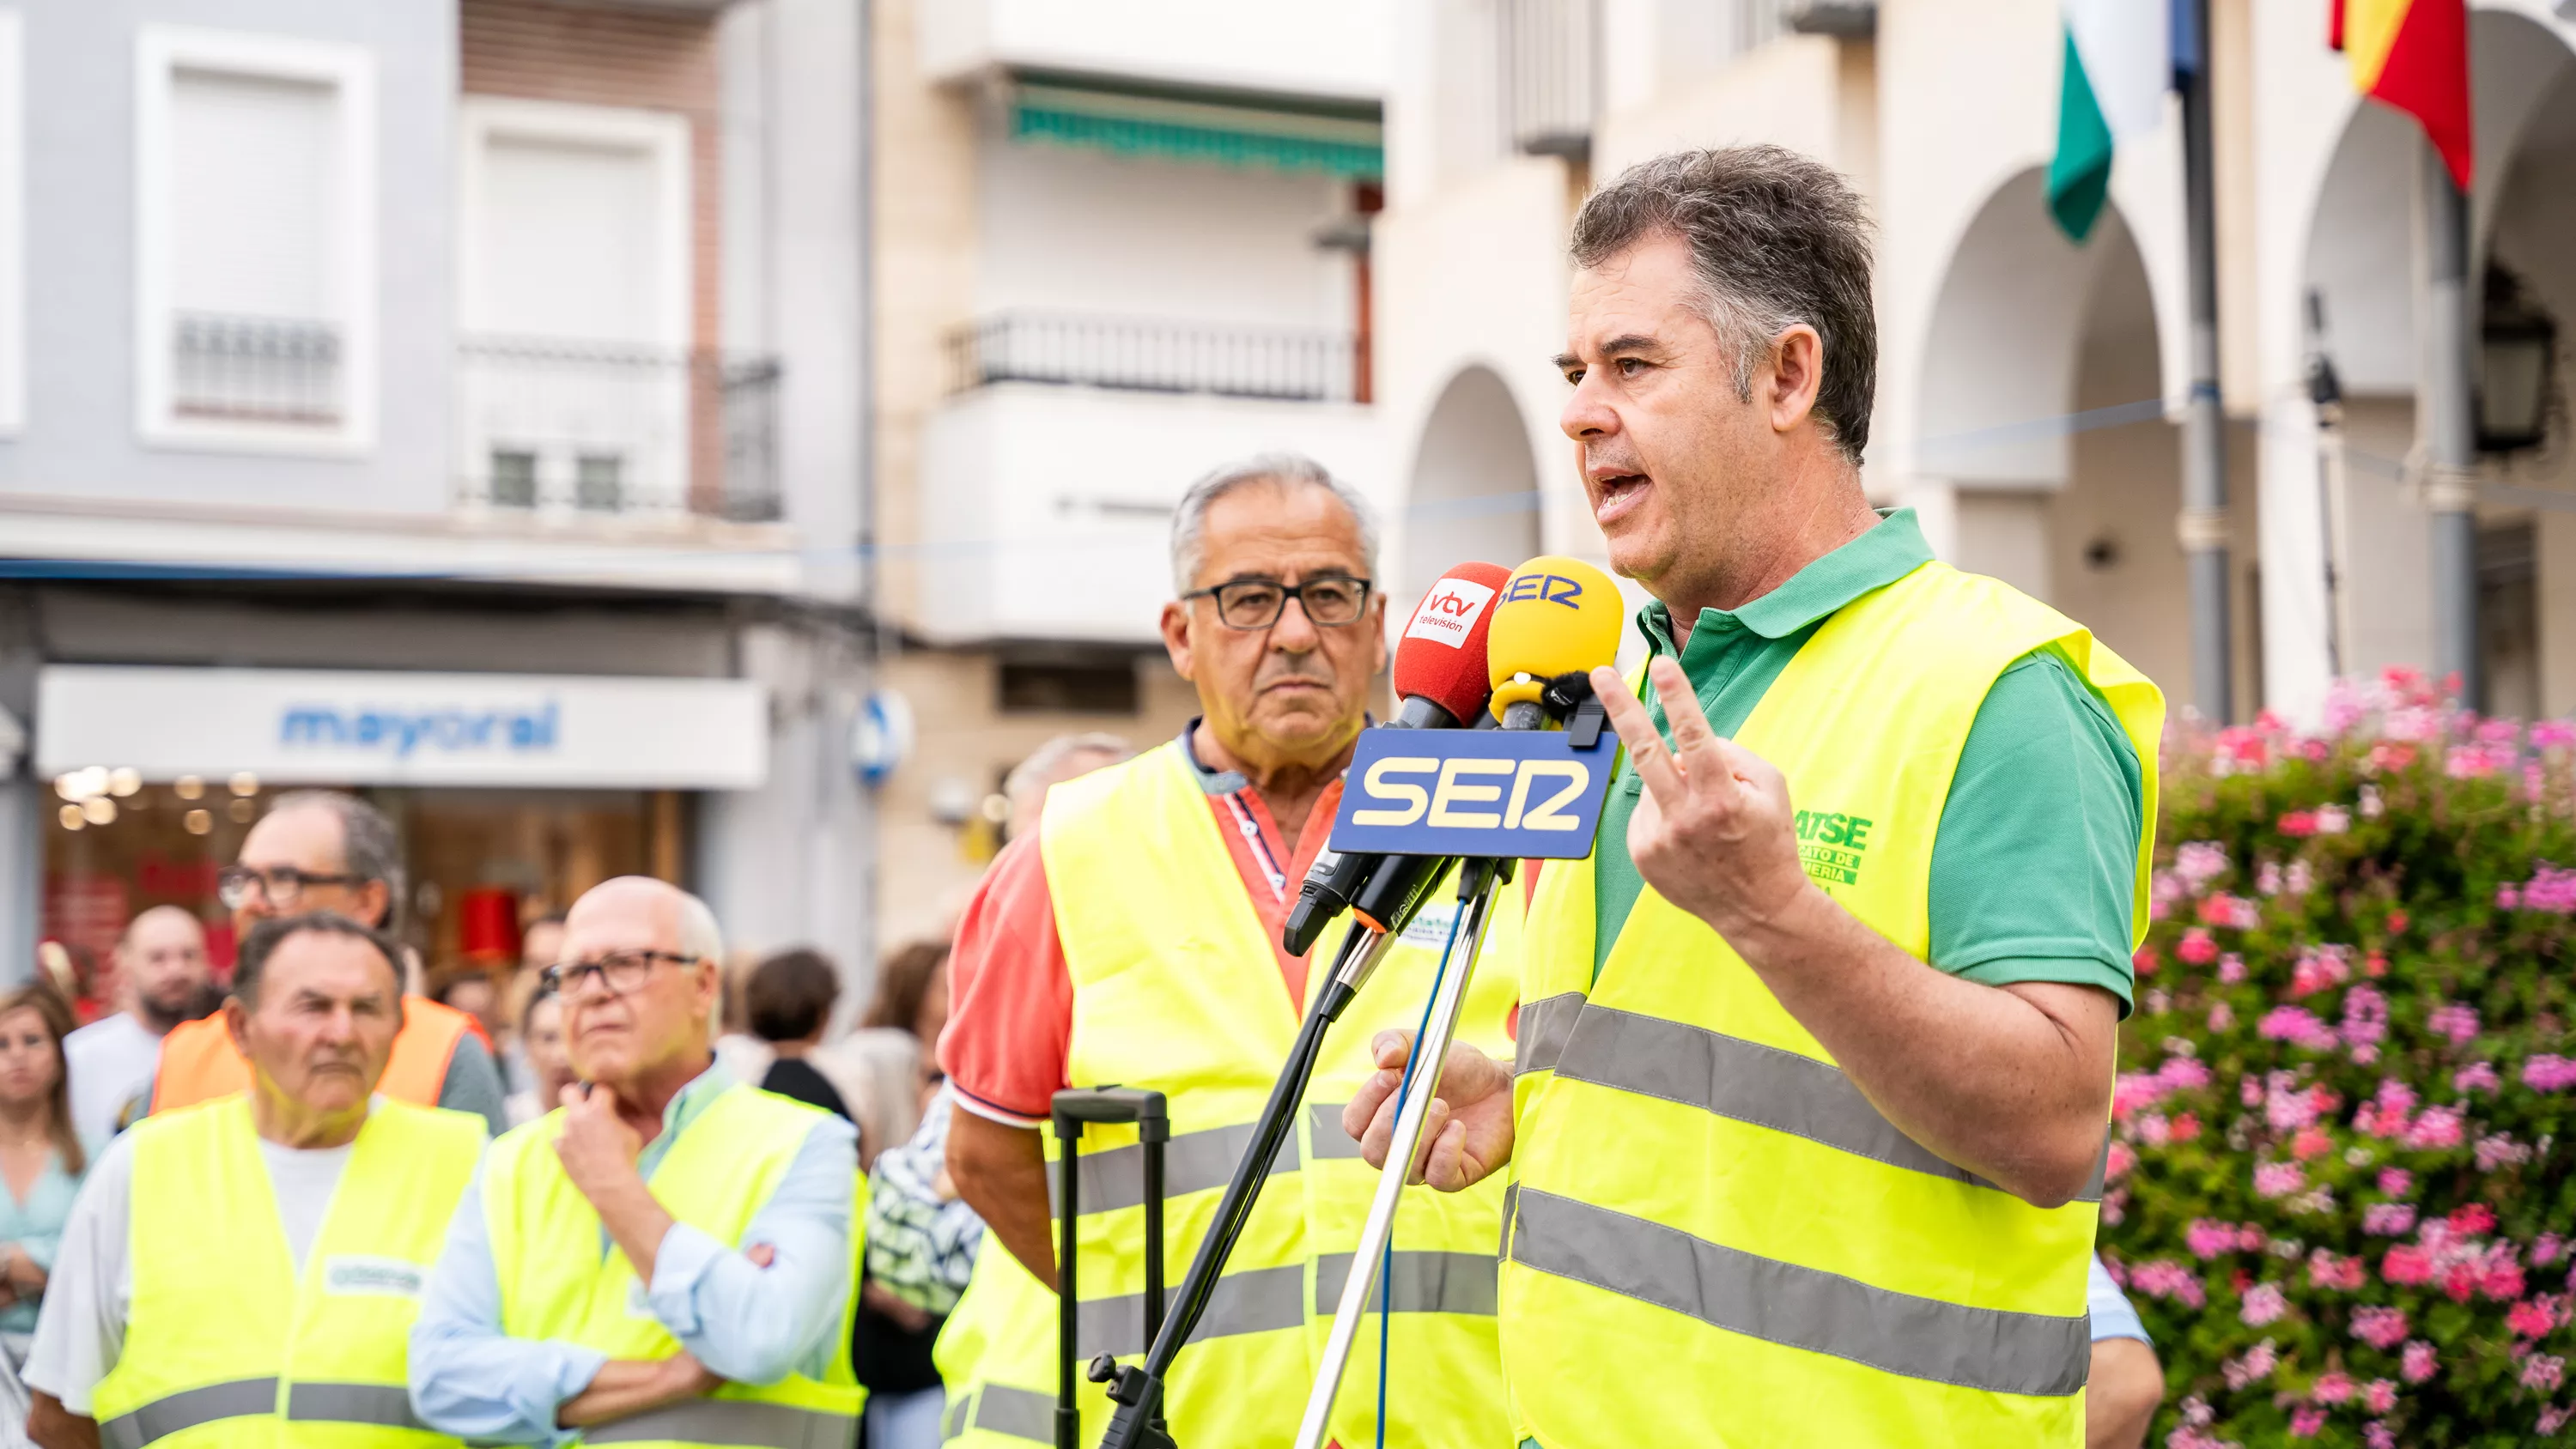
x=666 y=1259
x=1807 y=1120
x=1134 y=938
x=246 y=1270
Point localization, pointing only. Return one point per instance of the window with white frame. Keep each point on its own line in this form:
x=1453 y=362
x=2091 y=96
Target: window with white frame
x=576 y=388
x=13 y=191
x=255 y=178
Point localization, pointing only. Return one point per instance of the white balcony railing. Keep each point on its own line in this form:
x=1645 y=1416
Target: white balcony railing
x=561 y=428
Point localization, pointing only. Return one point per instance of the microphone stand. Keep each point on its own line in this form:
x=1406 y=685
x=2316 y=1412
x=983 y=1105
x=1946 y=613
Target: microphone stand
x=1476 y=882
x=1138 y=1388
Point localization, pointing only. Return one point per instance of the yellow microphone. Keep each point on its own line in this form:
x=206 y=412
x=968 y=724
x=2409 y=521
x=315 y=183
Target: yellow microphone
x=1556 y=616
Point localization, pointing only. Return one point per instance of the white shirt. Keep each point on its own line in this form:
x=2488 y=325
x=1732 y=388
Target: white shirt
x=81 y=1330
x=110 y=1062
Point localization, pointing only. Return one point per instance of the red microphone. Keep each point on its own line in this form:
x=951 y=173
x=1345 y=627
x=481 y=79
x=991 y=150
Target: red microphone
x=1440 y=660
x=1442 y=681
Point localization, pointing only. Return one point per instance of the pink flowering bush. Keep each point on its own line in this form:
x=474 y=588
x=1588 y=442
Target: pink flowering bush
x=2341 y=1186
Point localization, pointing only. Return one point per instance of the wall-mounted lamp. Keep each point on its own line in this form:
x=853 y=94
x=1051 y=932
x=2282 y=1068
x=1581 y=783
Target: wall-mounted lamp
x=2517 y=366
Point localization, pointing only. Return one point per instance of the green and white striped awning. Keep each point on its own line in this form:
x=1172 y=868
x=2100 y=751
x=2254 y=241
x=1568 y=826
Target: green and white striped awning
x=1321 y=139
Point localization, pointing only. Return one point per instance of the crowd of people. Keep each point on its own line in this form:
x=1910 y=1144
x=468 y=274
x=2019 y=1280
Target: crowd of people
x=325 y=1025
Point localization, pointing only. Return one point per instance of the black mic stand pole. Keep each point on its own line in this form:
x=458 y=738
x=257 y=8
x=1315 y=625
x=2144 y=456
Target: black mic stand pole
x=1138 y=1389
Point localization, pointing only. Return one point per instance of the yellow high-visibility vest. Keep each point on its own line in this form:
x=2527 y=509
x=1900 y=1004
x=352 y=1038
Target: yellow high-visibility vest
x=556 y=1284
x=1714 y=1239
x=1176 y=988
x=226 y=1344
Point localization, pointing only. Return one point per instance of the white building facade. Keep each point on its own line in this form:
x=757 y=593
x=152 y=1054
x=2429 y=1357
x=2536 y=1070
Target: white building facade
x=403 y=398
x=2030 y=390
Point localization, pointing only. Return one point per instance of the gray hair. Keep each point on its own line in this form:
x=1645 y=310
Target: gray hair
x=369 y=847
x=1045 y=764
x=1777 y=239
x=1189 y=518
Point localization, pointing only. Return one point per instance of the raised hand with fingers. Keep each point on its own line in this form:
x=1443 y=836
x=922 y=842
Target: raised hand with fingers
x=1713 y=831
x=1468 y=1137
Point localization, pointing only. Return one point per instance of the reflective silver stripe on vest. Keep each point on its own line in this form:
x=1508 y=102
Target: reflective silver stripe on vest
x=1258 y=1300
x=1192 y=1162
x=1544 y=1028
x=1327 y=1140
x=1746 y=1081
x=732 y=1421
x=1511 y=1199
x=387 y=1405
x=1764 y=1298
x=952 y=1417
x=1424 y=1282
x=187 y=1409
x=1012 y=1413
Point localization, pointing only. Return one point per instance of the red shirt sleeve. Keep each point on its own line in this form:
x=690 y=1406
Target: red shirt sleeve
x=1010 y=1010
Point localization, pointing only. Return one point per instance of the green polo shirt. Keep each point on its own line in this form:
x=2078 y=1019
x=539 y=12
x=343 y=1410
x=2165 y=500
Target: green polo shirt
x=2036 y=854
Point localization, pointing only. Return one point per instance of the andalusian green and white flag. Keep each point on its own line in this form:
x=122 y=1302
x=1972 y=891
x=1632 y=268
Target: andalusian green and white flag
x=2119 y=64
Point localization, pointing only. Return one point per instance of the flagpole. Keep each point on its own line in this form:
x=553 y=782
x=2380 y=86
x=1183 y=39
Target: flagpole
x=2202 y=526
x=2449 y=428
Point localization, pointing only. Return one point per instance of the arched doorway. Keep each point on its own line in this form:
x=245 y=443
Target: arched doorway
x=2360 y=267
x=2042 y=416
x=1474 y=492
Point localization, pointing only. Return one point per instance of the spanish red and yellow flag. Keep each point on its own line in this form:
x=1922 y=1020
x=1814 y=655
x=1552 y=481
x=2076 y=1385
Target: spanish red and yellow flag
x=2414 y=55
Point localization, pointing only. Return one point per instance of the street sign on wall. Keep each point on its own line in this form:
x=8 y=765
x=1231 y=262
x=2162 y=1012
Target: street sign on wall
x=365 y=727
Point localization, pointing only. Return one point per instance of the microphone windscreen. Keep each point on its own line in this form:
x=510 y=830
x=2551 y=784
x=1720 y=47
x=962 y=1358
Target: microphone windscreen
x=1556 y=615
x=1441 y=656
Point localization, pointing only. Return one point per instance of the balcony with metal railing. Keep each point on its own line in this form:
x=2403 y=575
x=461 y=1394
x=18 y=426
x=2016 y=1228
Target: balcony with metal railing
x=1141 y=355
x=564 y=429
x=267 y=370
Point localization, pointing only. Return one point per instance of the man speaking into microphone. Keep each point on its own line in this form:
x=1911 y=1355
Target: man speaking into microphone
x=1135 y=940
x=1807 y=1118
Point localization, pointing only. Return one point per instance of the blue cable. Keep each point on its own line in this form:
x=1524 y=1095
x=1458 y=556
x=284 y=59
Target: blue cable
x=1403 y=1085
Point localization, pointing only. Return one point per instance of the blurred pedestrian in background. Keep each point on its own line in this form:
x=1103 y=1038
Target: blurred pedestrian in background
x=320 y=850
x=41 y=1158
x=1051 y=764
x=880 y=1067
x=788 y=1002
x=541 y=1035
x=540 y=946
x=531 y=1326
x=739 y=1050
x=477 y=995
x=163 y=980
x=921 y=1244
x=180 y=1298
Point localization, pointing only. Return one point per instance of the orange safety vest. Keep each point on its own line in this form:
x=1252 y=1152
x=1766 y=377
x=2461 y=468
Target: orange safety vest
x=200 y=1063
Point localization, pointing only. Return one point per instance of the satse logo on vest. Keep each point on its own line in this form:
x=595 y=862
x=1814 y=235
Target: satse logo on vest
x=1831 y=845
x=372 y=1277
x=1448 y=614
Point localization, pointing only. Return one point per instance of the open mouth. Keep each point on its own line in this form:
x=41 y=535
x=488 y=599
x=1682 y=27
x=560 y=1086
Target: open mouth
x=1618 y=493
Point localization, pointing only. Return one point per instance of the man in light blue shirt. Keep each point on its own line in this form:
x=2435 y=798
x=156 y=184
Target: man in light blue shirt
x=2126 y=1383
x=638 y=990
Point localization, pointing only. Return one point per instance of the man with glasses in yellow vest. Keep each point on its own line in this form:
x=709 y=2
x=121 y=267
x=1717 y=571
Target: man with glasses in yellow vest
x=667 y=1258
x=246 y=1270
x=1807 y=1120
x=1134 y=938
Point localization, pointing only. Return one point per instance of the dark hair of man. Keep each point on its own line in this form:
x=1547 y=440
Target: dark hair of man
x=276 y=931
x=903 y=979
x=370 y=849
x=1777 y=239
x=790 y=995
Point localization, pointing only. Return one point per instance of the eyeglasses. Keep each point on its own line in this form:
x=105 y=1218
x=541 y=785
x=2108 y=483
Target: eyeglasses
x=1330 y=600
x=619 y=971
x=281 y=885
